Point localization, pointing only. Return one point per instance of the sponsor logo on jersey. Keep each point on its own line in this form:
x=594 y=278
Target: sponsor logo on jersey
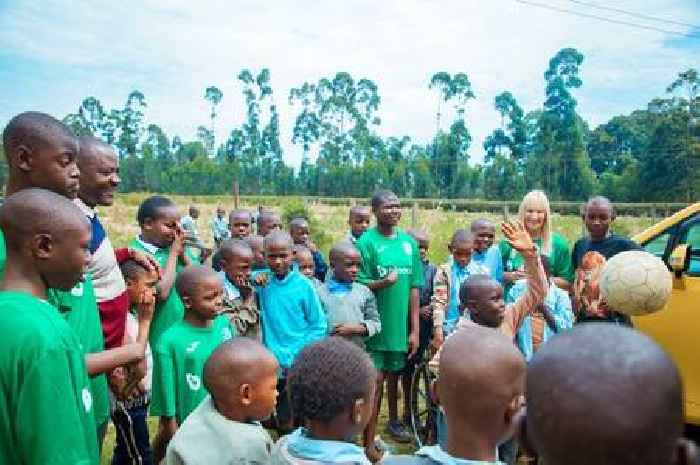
x=193 y=381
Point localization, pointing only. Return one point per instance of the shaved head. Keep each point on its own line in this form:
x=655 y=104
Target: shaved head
x=481 y=223
x=92 y=147
x=418 y=234
x=341 y=248
x=191 y=276
x=298 y=223
x=475 y=286
x=232 y=248
x=359 y=210
x=278 y=238
x=32 y=129
x=603 y=394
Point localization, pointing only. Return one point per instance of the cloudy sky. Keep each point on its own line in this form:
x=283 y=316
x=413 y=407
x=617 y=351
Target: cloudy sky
x=55 y=53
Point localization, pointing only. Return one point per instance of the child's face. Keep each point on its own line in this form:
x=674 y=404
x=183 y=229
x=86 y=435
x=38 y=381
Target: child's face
x=144 y=282
x=258 y=253
x=99 y=177
x=53 y=166
x=279 y=257
x=346 y=266
x=161 y=230
x=300 y=233
x=461 y=252
x=194 y=213
x=306 y=264
x=423 y=246
x=388 y=213
x=238 y=267
x=269 y=223
x=359 y=222
x=535 y=217
x=220 y=212
x=598 y=218
x=206 y=299
x=264 y=392
x=239 y=225
x=484 y=236
x=488 y=307
x=68 y=260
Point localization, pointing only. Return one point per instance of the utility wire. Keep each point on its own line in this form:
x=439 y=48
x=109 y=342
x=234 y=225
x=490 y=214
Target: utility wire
x=634 y=14
x=608 y=20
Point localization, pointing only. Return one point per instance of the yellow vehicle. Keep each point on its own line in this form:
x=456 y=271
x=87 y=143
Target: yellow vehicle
x=676 y=240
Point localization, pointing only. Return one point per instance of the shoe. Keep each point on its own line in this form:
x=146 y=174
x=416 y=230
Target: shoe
x=398 y=432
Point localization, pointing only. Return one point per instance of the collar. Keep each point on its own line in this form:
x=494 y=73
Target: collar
x=336 y=287
x=230 y=289
x=87 y=211
x=150 y=248
x=300 y=445
x=438 y=455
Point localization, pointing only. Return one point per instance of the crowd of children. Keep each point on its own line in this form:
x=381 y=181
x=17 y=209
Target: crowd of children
x=270 y=336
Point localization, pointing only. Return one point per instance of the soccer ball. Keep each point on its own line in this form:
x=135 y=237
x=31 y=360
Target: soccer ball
x=635 y=283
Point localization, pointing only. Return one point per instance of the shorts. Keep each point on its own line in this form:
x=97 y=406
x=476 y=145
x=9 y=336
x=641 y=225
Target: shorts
x=388 y=360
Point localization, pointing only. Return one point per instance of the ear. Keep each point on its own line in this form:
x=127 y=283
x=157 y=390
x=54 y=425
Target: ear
x=223 y=263
x=686 y=453
x=186 y=301
x=147 y=223
x=23 y=158
x=245 y=391
x=42 y=246
x=520 y=424
x=357 y=408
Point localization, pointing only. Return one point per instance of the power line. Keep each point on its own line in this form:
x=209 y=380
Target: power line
x=633 y=14
x=608 y=20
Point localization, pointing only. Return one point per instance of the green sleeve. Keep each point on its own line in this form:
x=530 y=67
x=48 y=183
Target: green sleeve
x=417 y=277
x=50 y=424
x=163 y=391
x=562 y=267
x=366 y=275
x=505 y=249
x=194 y=258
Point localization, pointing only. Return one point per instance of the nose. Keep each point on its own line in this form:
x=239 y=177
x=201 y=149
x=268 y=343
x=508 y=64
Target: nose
x=116 y=180
x=74 y=170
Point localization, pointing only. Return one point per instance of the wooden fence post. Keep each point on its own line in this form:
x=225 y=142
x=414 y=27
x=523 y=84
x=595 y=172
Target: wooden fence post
x=505 y=211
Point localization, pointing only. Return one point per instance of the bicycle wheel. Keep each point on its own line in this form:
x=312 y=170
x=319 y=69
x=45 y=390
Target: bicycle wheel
x=422 y=406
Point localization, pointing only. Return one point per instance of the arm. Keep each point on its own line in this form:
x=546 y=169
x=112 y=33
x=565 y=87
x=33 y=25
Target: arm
x=367 y=275
x=441 y=296
x=534 y=293
x=414 y=315
x=167 y=281
x=167 y=427
x=315 y=316
x=371 y=315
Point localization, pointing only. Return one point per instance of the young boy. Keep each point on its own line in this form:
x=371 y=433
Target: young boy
x=332 y=392
x=480 y=388
x=351 y=307
x=358 y=220
x=240 y=223
x=268 y=221
x=392 y=268
x=162 y=238
x=598 y=216
x=219 y=226
x=241 y=377
x=304 y=261
x=239 y=304
x=299 y=230
x=182 y=350
x=191 y=232
x=292 y=316
x=485 y=252
x=42 y=364
x=256 y=245
x=584 y=405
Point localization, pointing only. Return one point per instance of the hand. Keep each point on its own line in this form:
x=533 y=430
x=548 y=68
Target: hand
x=413 y=343
x=243 y=284
x=145 y=307
x=512 y=276
x=426 y=312
x=517 y=236
x=348 y=329
x=438 y=337
x=391 y=277
x=178 y=245
x=261 y=279
x=145 y=260
x=135 y=372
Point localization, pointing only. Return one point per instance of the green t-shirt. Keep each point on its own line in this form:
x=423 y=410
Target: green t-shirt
x=178 y=366
x=3 y=254
x=380 y=255
x=45 y=401
x=559 y=257
x=171 y=310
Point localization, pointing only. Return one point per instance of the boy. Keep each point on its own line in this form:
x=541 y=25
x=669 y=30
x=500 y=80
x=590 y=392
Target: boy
x=241 y=377
x=42 y=364
x=584 y=405
x=351 y=307
x=299 y=230
x=598 y=216
x=292 y=316
x=358 y=220
x=162 y=238
x=268 y=221
x=256 y=245
x=304 y=261
x=485 y=252
x=180 y=355
x=448 y=280
x=191 y=232
x=480 y=388
x=239 y=223
x=239 y=304
x=391 y=267
x=332 y=391
x=219 y=226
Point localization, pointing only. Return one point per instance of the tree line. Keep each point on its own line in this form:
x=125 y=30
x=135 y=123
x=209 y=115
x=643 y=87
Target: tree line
x=653 y=154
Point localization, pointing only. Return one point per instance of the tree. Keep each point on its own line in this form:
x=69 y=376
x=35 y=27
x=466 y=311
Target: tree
x=213 y=95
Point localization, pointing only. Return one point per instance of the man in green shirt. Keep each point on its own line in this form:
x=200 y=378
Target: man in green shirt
x=46 y=406
x=392 y=268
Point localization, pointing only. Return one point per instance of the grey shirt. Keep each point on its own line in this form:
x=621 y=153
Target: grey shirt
x=356 y=306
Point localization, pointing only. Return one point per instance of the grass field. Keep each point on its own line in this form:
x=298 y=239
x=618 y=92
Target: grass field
x=331 y=224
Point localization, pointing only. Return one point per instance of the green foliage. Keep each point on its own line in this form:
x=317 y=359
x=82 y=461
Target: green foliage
x=296 y=207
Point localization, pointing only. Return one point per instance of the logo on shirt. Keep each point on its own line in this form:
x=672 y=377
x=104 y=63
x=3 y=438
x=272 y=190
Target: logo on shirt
x=77 y=290
x=192 y=347
x=87 y=399
x=226 y=334
x=193 y=381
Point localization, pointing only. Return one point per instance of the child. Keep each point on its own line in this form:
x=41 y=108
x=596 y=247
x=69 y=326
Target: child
x=132 y=394
x=292 y=316
x=240 y=223
x=239 y=305
x=256 y=245
x=598 y=216
x=584 y=404
x=182 y=350
x=358 y=220
x=42 y=364
x=548 y=319
x=392 y=268
x=485 y=252
x=351 y=307
x=332 y=391
x=241 y=377
x=219 y=227
x=162 y=238
x=448 y=280
x=268 y=221
x=480 y=388
x=191 y=232
x=304 y=261
x=299 y=230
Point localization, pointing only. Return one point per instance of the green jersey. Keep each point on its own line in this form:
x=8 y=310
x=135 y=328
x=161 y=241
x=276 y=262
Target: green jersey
x=171 y=309
x=45 y=401
x=380 y=255
x=79 y=308
x=559 y=257
x=178 y=366
x=3 y=254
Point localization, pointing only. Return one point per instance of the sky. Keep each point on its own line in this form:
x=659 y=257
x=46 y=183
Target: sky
x=54 y=53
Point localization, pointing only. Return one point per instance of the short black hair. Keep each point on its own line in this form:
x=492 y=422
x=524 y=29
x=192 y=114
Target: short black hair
x=381 y=196
x=462 y=235
x=230 y=246
x=327 y=377
x=190 y=277
x=31 y=128
x=131 y=269
x=276 y=237
x=473 y=282
x=149 y=207
x=298 y=222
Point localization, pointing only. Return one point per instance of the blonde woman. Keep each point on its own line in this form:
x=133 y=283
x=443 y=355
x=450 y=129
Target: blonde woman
x=535 y=214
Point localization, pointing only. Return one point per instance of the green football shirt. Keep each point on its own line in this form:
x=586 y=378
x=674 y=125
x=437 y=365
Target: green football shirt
x=380 y=255
x=45 y=401
x=559 y=257
x=178 y=366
